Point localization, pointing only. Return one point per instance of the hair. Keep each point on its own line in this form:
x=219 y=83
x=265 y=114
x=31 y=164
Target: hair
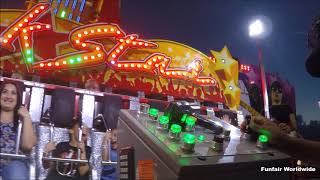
x=276 y=84
x=19 y=101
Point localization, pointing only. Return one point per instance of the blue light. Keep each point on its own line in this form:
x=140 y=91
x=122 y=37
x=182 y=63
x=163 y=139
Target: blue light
x=66 y=3
x=83 y=3
x=78 y=19
x=74 y=4
x=58 y=2
x=55 y=11
x=70 y=16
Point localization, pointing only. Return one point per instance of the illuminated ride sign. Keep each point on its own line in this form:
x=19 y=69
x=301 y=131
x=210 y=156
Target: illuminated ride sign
x=88 y=48
x=93 y=53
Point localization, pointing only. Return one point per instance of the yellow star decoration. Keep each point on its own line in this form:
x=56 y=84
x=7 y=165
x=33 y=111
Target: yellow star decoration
x=232 y=94
x=227 y=70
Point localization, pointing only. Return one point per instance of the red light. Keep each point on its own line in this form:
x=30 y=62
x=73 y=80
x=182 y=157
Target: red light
x=41 y=65
x=48 y=26
x=49 y=64
x=38 y=26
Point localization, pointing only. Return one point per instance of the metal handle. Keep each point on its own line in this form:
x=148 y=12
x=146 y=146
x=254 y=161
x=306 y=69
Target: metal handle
x=18 y=137
x=79 y=140
x=51 y=135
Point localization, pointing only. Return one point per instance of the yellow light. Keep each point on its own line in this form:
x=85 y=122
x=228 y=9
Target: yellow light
x=105 y=30
x=31 y=28
x=132 y=65
x=48 y=26
x=5 y=41
x=98 y=48
x=154 y=59
x=24 y=30
x=121 y=40
x=77 y=41
x=25 y=37
x=79 y=35
x=20 y=25
x=15 y=29
x=25 y=20
x=98 y=30
x=145 y=66
x=92 y=31
x=113 y=55
x=202 y=80
x=121 y=47
x=84 y=45
x=26 y=44
x=117 y=50
x=131 y=37
x=85 y=32
x=125 y=65
x=179 y=73
x=184 y=73
x=99 y=55
x=146 y=44
x=9 y=35
x=139 y=66
x=163 y=65
x=159 y=57
x=127 y=41
x=38 y=26
x=118 y=32
x=150 y=63
x=140 y=43
x=162 y=71
x=119 y=65
x=64 y=62
x=173 y=73
x=49 y=64
x=31 y=15
x=36 y=11
x=41 y=7
x=92 y=57
x=57 y=63
x=85 y=57
x=157 y=65
x=134 y=43
x=41 y=64
x=111 y=29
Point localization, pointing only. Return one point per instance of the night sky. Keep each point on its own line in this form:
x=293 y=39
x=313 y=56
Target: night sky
x=211 y=24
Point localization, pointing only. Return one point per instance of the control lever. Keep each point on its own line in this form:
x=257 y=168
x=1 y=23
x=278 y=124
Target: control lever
x=213 y=126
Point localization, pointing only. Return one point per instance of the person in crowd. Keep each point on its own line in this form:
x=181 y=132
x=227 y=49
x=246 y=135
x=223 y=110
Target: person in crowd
x=11 y=111
x=92 y=85
x=280 y=112
x=17 y=75
x=298 y=148
x=109 y=171
x=69 y=170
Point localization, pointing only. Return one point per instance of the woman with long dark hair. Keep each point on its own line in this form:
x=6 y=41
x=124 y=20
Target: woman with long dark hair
x=11 y=111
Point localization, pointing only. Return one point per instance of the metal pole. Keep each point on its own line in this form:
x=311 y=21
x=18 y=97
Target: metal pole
x=79 y=140
x=263 y=85
x=51 y=135
x=18 y=137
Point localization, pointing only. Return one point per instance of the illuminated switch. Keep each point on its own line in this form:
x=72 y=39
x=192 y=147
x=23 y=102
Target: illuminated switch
x=188 y=142
x=163 y=123
x=175 y=131
x=190 y=122
x=153 y=114
x=262 y=141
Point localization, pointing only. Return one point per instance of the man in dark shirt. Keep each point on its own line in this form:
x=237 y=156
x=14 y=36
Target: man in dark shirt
x=281 y=114
x=69 y=170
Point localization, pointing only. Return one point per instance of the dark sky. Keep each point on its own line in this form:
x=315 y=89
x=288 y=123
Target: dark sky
x=211 y=24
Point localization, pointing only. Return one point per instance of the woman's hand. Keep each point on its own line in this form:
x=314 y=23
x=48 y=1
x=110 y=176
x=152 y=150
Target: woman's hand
x=50 y=147
x=24 y=113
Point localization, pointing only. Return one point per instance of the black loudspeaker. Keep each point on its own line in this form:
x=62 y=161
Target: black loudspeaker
x=111 y=107
x=62 y=104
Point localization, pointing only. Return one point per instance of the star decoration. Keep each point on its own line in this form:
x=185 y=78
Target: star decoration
x=232 y=93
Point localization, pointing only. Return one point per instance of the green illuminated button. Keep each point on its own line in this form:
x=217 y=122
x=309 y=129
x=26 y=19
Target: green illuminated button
x=190 y=120
x=78 y=59
x=153 y=112
x=189 y=138
x=29 y=59
x=63 y=14
x=71 y=61
x=201 y=138
x=184 y=117
x=175 y=128
x=263 y=138
x=163 y=120
x=28 y=51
